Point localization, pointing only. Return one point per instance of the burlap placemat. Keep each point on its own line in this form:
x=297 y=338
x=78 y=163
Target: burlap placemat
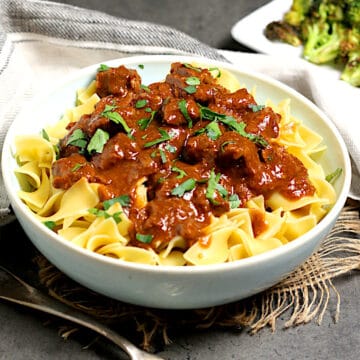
x=303 y=296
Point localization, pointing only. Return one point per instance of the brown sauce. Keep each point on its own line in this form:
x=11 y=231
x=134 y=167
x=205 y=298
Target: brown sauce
x=200 y=149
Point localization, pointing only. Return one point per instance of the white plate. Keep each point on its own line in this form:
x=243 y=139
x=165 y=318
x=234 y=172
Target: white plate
x=249 y=31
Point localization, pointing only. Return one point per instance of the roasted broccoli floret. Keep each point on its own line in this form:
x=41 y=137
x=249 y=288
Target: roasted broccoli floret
x=350 y=42
x=323 y=42
x=327 y=10
x=284 y=32
x=353 y=12
x=298 y=12
x=351 y=72
x=328 y=29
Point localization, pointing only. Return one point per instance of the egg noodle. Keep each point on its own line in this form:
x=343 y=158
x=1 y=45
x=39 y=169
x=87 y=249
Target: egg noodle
x=231 y=234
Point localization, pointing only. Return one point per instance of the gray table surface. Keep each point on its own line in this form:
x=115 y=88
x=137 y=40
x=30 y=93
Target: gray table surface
x=27 y=335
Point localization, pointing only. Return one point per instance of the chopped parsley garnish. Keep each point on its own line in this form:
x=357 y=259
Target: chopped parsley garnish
x=45 y=135
x=145 y=88
x=222 y=147
x=234 y=201
x=183 y=110
x=239 y=127
x=50 y=224
x=78 y=139
x=103 y=67
x=98 y=141
x=77 y=166
x=231 y=122
x=141 y=66
x=256 y=108
x=184 y=187
x=257 y=139
x=124 y=200
x=140 y=103
x=215 y=69
x=212 y=130
x=189 y=66
x=164 y=137
x=181 y=172
x=144 y=238
x=207 y=114
x=162 y=156
x=115 y=117
x=160 y=152
x=57 y=151
x=191 y=89
x=102 y=213
x=170 y=148
x=145 y=122
x=213 y=185
x=332 y=177
x=192 y=81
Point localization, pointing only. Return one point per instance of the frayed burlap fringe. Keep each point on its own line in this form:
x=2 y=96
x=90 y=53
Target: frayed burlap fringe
x=303 y=296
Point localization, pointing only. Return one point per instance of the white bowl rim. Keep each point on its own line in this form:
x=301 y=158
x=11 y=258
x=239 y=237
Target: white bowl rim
x=205 y=269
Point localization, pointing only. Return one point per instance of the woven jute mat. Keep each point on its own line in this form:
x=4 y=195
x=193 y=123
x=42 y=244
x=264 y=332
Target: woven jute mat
x=301 y=297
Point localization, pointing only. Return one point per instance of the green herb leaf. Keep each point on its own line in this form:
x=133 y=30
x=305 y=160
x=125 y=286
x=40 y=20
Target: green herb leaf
x=145 y=88
x=77 y=166
x=144 y=238
x=116 y=216
x=234 y=201
x=57 y=151
x=108 y=108
x=164 y=137
x=99 y=213
x=140 y=103
x=50 y=224
x=141 y=66
x=45 y=135
x=162 y=156
x=102 y=213
x=103 y=67
x=182 y=188
x=115 y=117
x=189 y=66
x=332 y=177
x=191 y=89
x=181 y=172
x=231 y=122
x=226 y=143
x=124 y=201
x=256 y=108
x=212 y=182
x=170 y=148
x=192 y=80
x=239 y=127
x=216 y=69
x=98 y=141
x=207 y=114
x=222 y=191
x=144 y=123
x=213 y=131
x=183 y=110
x=77 y=138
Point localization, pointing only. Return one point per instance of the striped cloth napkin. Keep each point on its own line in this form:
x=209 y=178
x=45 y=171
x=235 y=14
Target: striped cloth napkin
x=41 y=42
